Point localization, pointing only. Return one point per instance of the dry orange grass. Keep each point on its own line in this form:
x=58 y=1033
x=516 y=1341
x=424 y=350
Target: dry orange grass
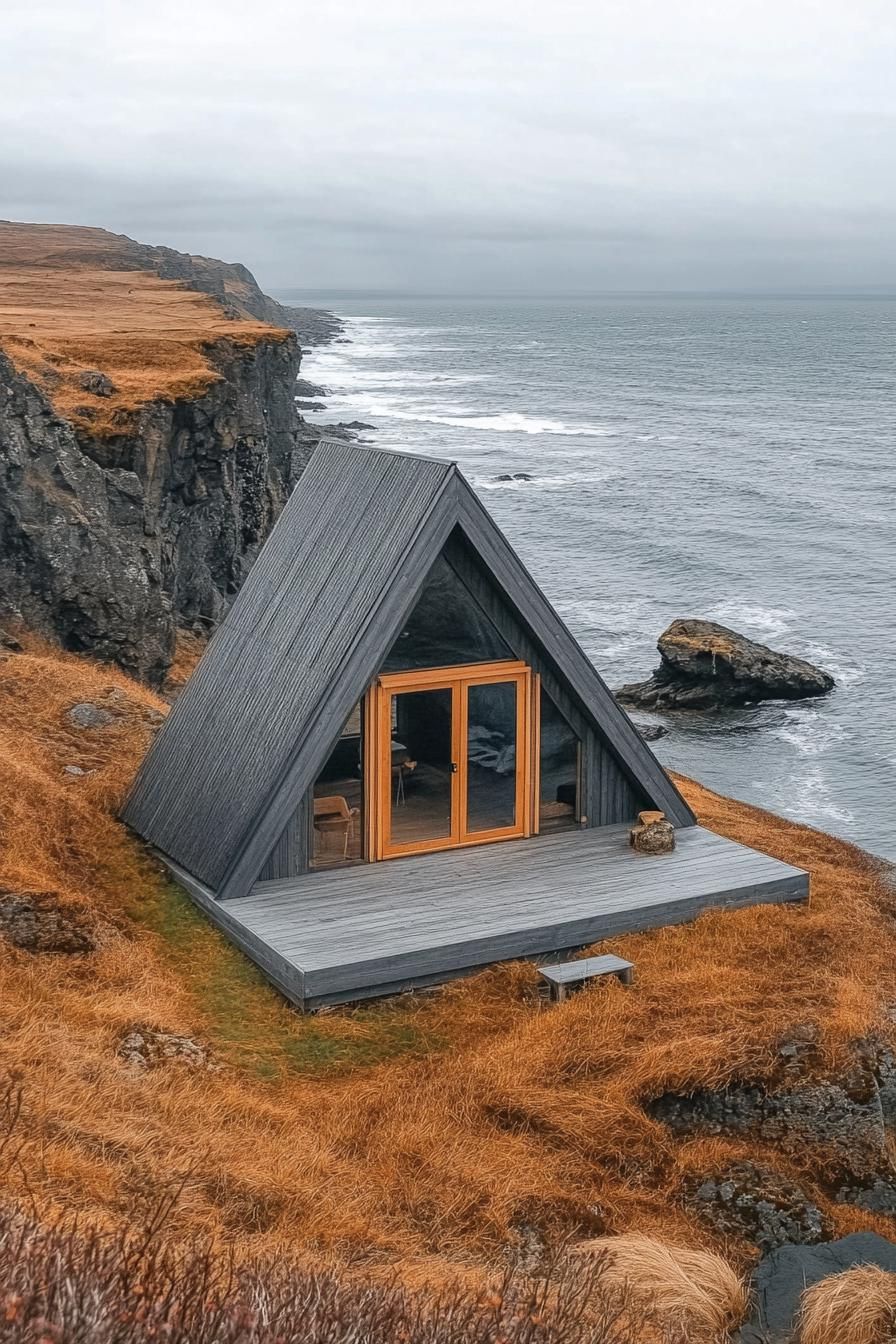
x=188 y=649
x=81 y=299
x=856 y=1307
x=437 y=1127
x=695 y=1292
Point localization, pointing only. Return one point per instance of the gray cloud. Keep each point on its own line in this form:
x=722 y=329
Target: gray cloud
x=455 y=145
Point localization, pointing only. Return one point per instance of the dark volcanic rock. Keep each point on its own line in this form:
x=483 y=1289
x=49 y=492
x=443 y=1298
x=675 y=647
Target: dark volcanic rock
x=779 y=1280
x=843 y=1117
x=878 y=1197
x=308 y=390
x=884 y=1066
x=514 y=476
x=704 y=665
x=310 y=405
x=651 y=732
x=98 y=383
x=842 y=1123
x=35 y=922
x=109 y=544
x=347 y=432
x=752 y=1201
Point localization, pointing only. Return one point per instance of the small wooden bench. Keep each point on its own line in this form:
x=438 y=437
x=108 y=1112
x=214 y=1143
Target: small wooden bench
x=567 y=975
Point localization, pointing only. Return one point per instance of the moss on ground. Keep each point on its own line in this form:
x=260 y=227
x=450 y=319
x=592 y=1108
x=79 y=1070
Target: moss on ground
x=248 y=1024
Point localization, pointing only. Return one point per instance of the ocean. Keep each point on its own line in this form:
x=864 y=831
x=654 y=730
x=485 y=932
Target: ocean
x=725 y=458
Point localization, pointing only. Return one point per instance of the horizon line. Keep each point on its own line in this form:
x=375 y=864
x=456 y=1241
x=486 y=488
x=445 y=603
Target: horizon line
x=886 y=290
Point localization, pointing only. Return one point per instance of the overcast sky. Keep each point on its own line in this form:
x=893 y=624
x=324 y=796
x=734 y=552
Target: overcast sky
x=470 y=145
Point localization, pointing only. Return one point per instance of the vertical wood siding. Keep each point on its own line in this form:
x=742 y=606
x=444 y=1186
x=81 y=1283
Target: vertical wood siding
x=292 y=853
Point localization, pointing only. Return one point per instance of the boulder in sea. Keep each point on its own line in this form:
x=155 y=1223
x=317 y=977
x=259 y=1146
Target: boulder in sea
x=704 y=666
x=310 y=391
x=651 y=732
x=514 y=476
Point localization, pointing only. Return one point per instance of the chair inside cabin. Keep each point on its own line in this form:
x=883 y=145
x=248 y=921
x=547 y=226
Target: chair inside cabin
x=333 y=816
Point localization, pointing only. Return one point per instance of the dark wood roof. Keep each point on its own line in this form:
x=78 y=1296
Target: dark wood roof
x=310 y=628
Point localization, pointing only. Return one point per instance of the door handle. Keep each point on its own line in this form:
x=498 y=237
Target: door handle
x=454 y=767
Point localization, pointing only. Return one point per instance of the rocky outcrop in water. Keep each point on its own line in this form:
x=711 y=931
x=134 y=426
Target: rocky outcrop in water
x=705 y=666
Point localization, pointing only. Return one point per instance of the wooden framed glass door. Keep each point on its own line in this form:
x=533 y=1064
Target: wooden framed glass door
x=452 y=758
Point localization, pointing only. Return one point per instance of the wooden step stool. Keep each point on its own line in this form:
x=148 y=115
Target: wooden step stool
x=567 y=975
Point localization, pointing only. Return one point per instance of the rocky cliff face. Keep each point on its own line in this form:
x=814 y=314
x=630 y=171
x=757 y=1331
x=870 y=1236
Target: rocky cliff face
x=107 y=545
x=111 y=538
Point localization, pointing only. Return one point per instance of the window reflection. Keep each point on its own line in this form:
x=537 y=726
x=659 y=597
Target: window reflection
x=559 y=805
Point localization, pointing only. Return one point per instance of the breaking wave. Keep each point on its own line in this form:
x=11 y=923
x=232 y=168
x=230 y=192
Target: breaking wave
x=503 y=422
x=769 y=621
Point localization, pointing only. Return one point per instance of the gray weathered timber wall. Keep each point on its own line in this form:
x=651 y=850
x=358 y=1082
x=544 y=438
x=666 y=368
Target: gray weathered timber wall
x=346 y=680
x=292 y=853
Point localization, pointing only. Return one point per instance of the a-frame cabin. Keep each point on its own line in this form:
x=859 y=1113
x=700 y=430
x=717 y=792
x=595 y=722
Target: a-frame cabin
x=394 y=763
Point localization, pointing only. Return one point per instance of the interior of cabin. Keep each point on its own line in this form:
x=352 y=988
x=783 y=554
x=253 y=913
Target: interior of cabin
x=455 y=743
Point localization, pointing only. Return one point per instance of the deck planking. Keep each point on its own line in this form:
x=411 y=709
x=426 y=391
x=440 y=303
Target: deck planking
x=372 y=929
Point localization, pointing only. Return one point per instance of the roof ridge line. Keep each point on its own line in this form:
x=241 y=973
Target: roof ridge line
x=385 y=452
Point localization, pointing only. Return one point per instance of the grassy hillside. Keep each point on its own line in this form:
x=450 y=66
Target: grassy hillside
x=425 y=1129
x=75 y=300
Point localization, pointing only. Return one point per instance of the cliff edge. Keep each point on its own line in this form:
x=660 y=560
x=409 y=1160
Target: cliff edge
x=148 y=436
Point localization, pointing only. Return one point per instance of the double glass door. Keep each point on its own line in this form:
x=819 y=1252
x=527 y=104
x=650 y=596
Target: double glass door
x=452 y=757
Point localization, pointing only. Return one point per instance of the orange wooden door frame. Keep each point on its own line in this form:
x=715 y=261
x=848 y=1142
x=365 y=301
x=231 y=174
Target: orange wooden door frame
x=456 y=680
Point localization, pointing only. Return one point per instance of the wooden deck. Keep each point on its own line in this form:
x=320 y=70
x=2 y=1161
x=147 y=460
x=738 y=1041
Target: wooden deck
x=354 y=933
